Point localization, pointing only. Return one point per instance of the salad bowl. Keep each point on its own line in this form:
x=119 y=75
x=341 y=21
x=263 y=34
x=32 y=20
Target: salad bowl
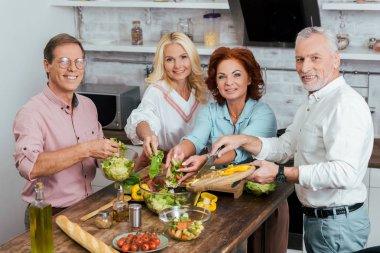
x=118 y=168
x=159 y=199
x=184 y=223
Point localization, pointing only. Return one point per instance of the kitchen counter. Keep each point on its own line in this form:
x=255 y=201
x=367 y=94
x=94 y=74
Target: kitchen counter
x=233 y=222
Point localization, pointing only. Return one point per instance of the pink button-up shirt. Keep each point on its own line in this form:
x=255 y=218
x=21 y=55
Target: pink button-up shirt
x=46 y=123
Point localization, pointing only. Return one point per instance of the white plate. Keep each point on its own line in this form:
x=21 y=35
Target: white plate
x=163 y=243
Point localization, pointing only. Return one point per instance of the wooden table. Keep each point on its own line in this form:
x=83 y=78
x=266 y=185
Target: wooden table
x=233 y=222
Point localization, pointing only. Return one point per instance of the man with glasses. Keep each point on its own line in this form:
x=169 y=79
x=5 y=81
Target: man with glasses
x=58 y=136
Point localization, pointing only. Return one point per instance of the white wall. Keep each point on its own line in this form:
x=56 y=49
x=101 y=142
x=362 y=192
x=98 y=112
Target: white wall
x=25 y=27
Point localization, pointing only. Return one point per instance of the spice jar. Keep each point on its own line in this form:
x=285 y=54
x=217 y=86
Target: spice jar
x=135 y=216
x=103 y=220
x=211 y=29
x=186 y=26
x=136 y=33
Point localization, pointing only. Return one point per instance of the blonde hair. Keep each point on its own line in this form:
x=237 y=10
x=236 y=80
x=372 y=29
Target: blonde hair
x=196 y=78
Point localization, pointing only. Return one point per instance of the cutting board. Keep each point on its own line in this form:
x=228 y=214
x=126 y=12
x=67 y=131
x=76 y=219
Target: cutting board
x=212 y=181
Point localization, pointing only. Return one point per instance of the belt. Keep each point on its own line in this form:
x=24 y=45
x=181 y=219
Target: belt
x=324 y=212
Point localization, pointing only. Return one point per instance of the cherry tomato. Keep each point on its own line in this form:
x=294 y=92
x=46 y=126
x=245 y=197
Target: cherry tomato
x=156 y=240
x=131 y=236
x=146 y=237
x=152 y=245
x=145 y=246
x=154 y=234
x=139 y=241
x=125 y=248
x=133 y=247
x=120 y=242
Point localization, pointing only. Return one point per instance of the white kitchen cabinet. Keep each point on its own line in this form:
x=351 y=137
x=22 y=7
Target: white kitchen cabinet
x=355 y=52
x=374 y=207
x=187 y=4
x=351 y=6
x=149 y=46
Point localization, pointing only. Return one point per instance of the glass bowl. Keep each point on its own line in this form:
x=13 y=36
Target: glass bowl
x=121 y=173
x=157 y=201
x=184 y=223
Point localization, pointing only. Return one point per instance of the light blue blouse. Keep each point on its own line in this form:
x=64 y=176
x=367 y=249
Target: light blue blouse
x=213 y=121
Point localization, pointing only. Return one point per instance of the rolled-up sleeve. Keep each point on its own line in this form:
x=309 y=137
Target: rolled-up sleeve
x=147 y=111
x=202 y=129
x=262 y=124
x=29 y=142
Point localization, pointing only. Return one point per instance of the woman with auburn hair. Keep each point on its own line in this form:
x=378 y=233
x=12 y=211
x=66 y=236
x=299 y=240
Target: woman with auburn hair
x=175 y=94
x=236 y=83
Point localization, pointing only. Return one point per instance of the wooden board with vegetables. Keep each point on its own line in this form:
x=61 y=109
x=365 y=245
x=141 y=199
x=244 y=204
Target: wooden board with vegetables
x=230 y=180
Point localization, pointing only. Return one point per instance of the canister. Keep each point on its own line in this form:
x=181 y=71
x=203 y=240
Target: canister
x=135 y=216
x=211 y=29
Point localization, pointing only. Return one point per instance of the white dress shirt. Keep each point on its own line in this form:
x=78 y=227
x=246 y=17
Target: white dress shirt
x=331 y=140
x=169 y=115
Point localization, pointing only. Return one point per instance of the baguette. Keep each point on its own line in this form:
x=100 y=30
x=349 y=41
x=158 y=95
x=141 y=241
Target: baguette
x=88 y=241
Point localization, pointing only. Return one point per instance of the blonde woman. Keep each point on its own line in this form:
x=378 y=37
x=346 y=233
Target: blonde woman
x=176 y=92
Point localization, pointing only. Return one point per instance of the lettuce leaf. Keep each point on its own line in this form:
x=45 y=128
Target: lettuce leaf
x=154 y=167
x=259 y=189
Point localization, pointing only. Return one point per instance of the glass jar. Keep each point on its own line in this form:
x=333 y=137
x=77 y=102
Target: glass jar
x=136 y=33
x=211 y=29
x=186 y=26
x=103 y=220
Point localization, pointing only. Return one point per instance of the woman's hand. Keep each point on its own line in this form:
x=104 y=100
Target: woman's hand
x=192 y=166
x=176 y=154
x=265 y=173
x=150 y=145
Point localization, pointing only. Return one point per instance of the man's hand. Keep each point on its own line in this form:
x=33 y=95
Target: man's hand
x=230 y=142
x=102 y=148
x=265 y=173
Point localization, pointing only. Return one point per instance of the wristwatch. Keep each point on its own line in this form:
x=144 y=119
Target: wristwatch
x=280 y=178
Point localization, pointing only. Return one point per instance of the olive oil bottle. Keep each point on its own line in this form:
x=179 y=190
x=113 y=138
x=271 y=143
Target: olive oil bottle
x=120 y=207
x=41 y=229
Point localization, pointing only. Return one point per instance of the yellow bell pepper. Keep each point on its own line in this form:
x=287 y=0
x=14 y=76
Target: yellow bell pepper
x=232 y=169
x=208 y=200
x=136 y=193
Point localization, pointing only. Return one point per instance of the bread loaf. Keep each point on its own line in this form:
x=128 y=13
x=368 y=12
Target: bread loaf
x=88 y=241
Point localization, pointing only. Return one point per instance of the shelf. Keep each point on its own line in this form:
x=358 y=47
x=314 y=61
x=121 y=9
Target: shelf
x=359 y=53
x=184 y=4
x=351 y=6
x=148 y=47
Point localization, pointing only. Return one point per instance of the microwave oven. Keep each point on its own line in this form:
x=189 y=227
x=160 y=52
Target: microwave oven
x=114 y=102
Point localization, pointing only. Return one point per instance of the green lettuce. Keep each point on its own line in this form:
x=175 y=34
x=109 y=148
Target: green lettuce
x=154 y=167
x=259 y=189
x=173 y=175
x=117 y=167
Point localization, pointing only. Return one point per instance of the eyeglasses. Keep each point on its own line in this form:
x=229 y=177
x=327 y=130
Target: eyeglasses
x=65 y=62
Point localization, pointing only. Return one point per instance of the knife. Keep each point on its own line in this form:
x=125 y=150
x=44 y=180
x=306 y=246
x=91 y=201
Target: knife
x=209 y=163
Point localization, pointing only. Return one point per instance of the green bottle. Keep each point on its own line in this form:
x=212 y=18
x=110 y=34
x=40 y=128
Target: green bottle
x=41 y=227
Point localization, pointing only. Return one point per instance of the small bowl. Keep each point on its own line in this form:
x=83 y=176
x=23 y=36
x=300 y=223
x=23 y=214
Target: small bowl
x=130 y=155
x=157 y=201
x=197 y=217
